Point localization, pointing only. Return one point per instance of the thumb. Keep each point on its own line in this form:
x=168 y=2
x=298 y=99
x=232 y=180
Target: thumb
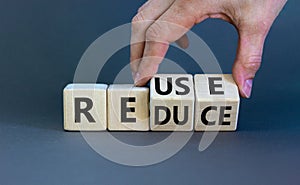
x=248 y=60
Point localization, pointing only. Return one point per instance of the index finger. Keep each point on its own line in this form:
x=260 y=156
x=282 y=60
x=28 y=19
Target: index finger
x=171 y=26
x=147 y=14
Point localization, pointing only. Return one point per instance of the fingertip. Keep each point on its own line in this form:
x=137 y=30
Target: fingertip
x=136 y=78
x=133 y=74
x=244 y=84
x=247 y=88
x=141 y=80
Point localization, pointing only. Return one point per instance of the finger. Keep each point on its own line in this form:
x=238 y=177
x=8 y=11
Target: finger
x=248 y=60
x=171 y=26
x=183 y=41
x=150 y=11
x=144 y=6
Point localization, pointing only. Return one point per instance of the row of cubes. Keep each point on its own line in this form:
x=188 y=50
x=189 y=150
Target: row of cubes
x=174 y=102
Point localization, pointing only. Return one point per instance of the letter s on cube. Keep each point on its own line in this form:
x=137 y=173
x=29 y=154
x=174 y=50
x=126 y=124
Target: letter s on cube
x=172 y=102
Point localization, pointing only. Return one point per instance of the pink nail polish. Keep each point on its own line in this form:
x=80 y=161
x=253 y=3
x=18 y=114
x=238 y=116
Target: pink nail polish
x=247 y=87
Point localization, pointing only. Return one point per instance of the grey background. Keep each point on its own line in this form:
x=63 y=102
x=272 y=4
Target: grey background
x=41 y=43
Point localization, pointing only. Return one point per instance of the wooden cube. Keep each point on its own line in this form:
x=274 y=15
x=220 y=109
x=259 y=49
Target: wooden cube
x=128 y=108
x=85 y=107
x=171 y=102
x=217 y=102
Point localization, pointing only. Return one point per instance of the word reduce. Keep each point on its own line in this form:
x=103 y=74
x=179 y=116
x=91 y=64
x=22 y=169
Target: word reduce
x=178 y=102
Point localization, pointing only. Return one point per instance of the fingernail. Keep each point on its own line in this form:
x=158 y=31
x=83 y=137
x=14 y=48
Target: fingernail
x=247 y=88
x=133 y=75
x=136 y=78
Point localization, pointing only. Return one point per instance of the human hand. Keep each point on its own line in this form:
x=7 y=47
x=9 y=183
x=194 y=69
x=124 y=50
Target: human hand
x=160 y=22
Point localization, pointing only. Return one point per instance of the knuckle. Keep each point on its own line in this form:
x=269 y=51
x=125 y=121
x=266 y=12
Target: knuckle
x=263 y=27
x=152 y=33
x=138 y=17
x=253 y=63
x=258 y=27
x=187 y=5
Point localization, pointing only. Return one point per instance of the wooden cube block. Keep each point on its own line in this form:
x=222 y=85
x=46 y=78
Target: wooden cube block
x=171 y=102
x=128 y=107
x=217 y=102
x=85 y=107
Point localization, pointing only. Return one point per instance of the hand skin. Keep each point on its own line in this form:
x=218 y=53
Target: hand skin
x=160 y=22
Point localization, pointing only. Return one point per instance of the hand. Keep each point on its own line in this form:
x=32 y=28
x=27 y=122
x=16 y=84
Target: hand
x=153 y=28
